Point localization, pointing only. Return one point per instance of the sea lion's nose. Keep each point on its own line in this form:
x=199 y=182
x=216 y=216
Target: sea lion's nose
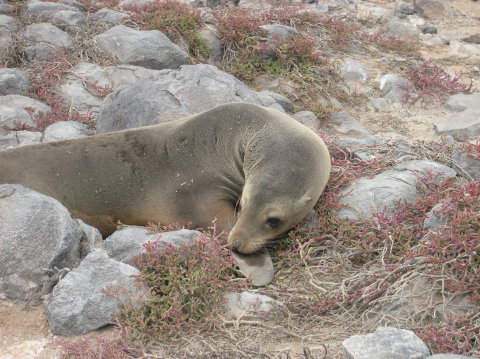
x=235 y=245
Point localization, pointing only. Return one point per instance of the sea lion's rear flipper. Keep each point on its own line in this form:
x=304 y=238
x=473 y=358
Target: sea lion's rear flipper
x=256 y=266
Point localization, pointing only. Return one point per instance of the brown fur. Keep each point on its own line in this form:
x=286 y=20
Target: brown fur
x=190 y=170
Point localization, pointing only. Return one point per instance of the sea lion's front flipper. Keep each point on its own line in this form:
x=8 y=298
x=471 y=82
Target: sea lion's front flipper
x=256 y=266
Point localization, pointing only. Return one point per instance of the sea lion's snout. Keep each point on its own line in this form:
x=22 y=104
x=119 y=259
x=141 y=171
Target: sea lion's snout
x=235 y=245
x=243 y=242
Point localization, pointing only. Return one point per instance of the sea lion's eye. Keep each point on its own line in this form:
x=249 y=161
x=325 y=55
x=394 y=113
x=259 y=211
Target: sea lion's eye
x=273 y=222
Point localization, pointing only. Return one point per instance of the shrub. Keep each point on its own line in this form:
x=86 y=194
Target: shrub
x=239 y=30
x=45 y=76
x=177 y=20
x=459 y=336
x=186 y=284
x=98 y=347
x=391 y=43
x=432 y=81
x=295 y=16
x=341 y=33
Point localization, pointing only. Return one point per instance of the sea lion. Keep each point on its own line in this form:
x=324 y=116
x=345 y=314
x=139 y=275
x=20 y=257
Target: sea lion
x=250 y=169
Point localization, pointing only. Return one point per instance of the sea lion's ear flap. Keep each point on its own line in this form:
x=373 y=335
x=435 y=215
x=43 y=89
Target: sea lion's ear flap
x=302 y=202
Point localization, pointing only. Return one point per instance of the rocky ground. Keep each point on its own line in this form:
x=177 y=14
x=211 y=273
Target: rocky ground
x=392 y=86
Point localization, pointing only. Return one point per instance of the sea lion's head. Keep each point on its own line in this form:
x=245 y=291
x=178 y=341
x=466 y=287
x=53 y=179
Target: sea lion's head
x=266 y=211
x=286 y=167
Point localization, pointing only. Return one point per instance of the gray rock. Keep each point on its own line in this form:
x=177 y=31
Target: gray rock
x=278 y=107
x=466 y=166
x=73 y=3
x=8 y=24
x=473 y=39
x=461 y=102
x=435 y=218
x=422 y=298
x=127 y=243
x=215 y=3
x=265 y=98
x=353 y=71
x=6 y=41
x=345 y=124
x=283 y=101
x=248 y=303
x=308 y=118
x=356 y=146
x=428 y=29
x=379 y=103
x=70 y=21
x=108 y=18
x=12 y=109
x=403 y=8
x=19 y=138
x=91 y=240
x=449 y=356
x=87 y=84
x=75 y=93
x=43 y=40
x=371 y=195
x=6 y=8
x=395 y=87
x=258 y=267
x=44 y=11
x=352 y=142
x=13 y=82
x=36 y=233
x=93 y=74
x=76 y=305
x=123 y=75
x=137 y=3
x=213 y=43
x=274 y=33
x=461 y=125
x=385 y=343
x=279 y=30
x=150 y=49
x=432 y=9
x=176 y=93
x=400 y=29
x=65 y=130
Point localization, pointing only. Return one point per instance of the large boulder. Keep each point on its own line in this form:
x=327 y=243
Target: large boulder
x=176 y=93
x=346 y=124
x=466 y=166
x=65 y=130
x=386 y=342
x=44 y=11
x=19 y=138
x=367 y=196
x=108 y=18
x=150 y=49
x=13 y=82
x=461 y=125
x=43 y=40
x=36 y=233
x=460 y=102
x=8 y=26
x=352 y=70
x=77 y=305
x=432 y=9
x=70 y=21
x=395 y=87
